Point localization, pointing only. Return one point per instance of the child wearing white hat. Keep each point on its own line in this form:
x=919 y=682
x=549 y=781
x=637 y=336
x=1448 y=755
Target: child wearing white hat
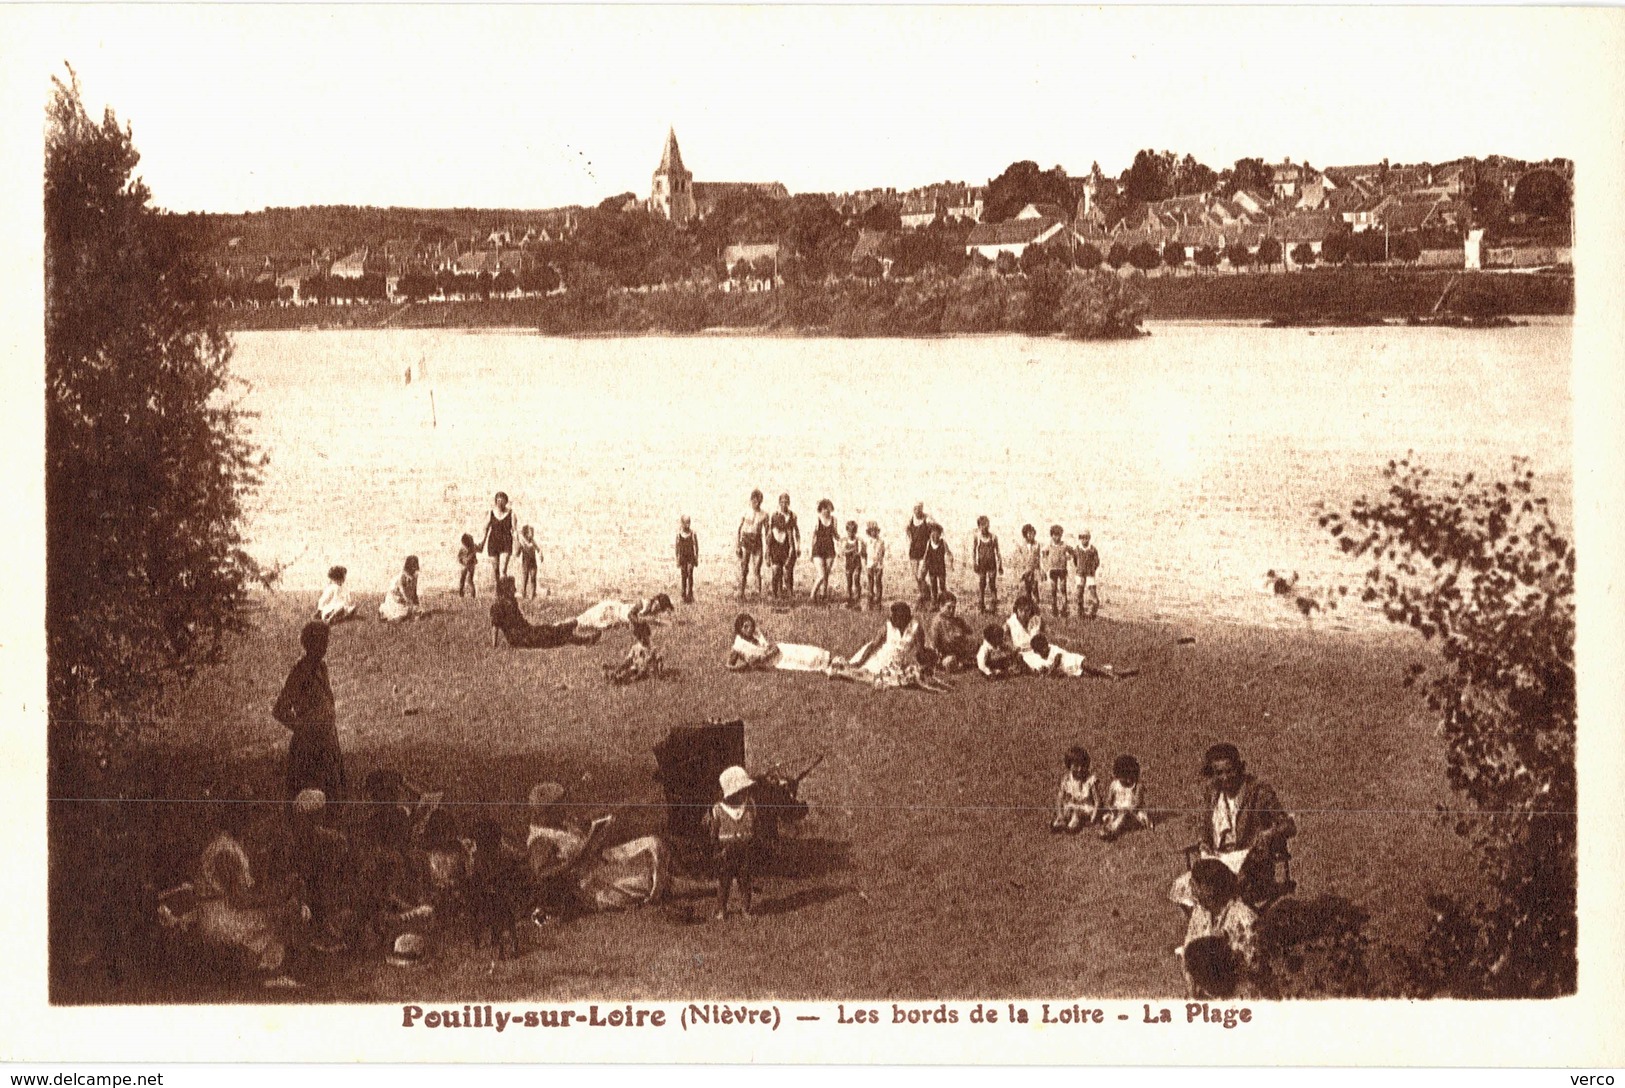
x=731 y=823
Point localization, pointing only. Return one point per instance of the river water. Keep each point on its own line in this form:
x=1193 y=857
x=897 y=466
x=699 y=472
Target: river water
x=1195 y=455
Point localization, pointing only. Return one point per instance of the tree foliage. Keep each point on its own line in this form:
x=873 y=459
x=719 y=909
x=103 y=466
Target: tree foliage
x=1021 y=184
x=147 y=465
x=1479 y=568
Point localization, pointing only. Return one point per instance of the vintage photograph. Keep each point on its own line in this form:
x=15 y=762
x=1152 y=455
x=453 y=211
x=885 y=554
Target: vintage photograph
x=809 y=504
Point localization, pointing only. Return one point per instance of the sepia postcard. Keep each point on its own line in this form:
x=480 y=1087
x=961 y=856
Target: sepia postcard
x=984 y=534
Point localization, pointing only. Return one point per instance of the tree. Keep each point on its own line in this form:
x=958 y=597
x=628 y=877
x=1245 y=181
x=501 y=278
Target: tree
x=1407 y=247
x=1478 y=568
x=1173 y=254
x=1303 y=253
x=1150 y=178
x=1088 y=257
x=1117 y=256
x=881 y=217
x=1021 y=184
x=1250 y=174
x=1206 y=257
x=1269 y=252
x=1334 y=248
x=1006 y=264
x=147 y=462
x=1036 y=257
x=1144 y=256
x=1543 y=194
x=1238 y=255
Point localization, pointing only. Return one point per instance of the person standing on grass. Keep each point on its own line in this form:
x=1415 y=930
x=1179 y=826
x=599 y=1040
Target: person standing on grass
x=731 y=825
x=1025 y=561
x=934 y=565
x=919 y=535
x=1056 y=558
x=497 y=542
x=751 y=542
x=688 y=557
x=305 y=708
x=851 y=549
x=1088 y=562
x=823 y=549
x=874 y=565
x=987 y=563
x=468 y=564
x=530 y=561
x=783 y=545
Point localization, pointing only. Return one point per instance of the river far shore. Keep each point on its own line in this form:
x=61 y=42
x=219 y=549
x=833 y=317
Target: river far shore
x=1319 y=295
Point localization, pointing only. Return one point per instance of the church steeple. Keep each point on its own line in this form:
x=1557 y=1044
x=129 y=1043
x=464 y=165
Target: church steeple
x=671 y=159
x=672 y=194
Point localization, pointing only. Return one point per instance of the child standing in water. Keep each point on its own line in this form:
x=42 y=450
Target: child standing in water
x=987 y=563
x=688 y=557
x=851 y=551
x=731 y=825
x=530 y=559
x=823 y=549
x=468 y=559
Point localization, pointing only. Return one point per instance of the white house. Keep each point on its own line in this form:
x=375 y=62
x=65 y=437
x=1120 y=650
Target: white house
x=1012 y=237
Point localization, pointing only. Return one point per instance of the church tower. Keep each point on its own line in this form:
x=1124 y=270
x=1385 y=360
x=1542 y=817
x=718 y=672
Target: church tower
x=673 y=192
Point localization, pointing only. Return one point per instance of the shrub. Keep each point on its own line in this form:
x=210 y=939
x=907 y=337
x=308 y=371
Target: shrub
x=1479 y=568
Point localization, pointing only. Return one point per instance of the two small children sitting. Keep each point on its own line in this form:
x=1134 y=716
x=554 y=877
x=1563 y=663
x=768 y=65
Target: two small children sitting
x=1078 y=802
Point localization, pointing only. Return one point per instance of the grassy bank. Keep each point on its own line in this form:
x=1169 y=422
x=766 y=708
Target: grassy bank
x=1374 y=292
x=926 y=869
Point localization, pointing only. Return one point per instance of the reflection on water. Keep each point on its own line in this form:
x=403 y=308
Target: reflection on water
x=1195 y=455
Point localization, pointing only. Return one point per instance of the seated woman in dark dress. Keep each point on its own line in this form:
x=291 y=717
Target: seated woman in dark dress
x=524 y=635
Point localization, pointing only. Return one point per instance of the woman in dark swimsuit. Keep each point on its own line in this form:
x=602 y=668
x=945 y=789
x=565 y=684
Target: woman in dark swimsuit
x=498 y=539
x=521 y=634
x=823 y=548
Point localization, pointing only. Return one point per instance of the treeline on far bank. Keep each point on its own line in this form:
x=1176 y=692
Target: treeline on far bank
x=1086 y=305
x=1311 y=293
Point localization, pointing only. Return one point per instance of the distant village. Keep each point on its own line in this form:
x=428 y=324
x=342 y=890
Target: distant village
x=1163 y=215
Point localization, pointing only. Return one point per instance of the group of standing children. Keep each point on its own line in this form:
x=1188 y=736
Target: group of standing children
x=1034 y=563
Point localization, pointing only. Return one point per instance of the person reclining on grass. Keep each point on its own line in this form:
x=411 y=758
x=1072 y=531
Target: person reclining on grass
x=1241 y=823
x=753 y=649
x=572 y=873
x=995 y=658
x=521 y=634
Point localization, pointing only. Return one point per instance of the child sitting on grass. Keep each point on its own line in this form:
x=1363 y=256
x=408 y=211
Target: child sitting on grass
x=996 y=659
x=1125 y=799
x=641 y=662
x=468 y=559
x=731 y=825
x=1077 y=802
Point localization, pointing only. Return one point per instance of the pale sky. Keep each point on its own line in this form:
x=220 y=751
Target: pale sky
x=236 y=108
